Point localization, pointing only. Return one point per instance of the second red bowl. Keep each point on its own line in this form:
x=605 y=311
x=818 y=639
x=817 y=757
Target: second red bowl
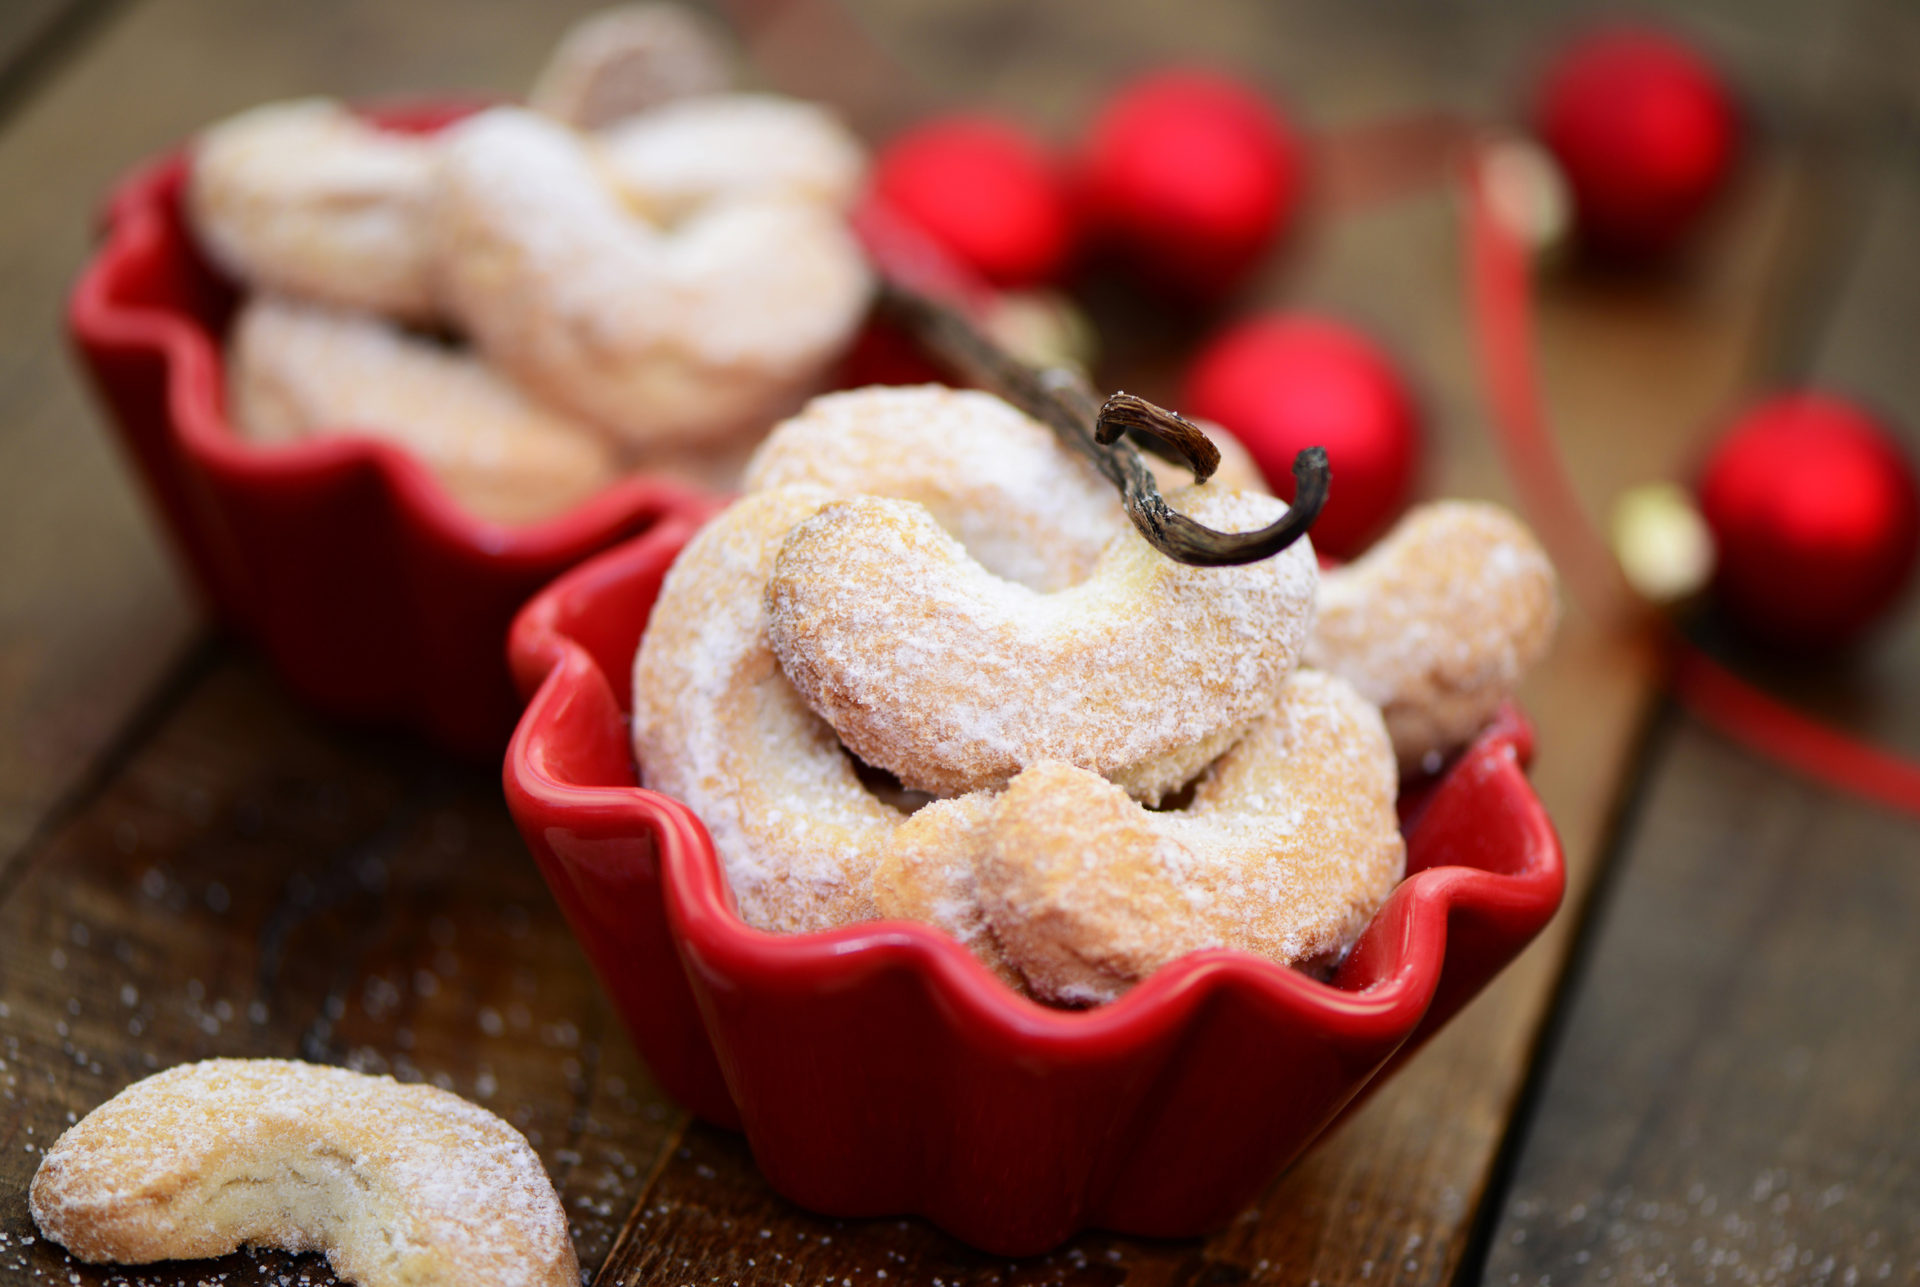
x=372 y=593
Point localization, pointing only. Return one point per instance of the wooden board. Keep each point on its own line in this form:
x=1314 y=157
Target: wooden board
x=33 y=33
x=1394 y=1195
x=1735 y=1096
x=90 y=617
x=255 y=884
x=91 y=613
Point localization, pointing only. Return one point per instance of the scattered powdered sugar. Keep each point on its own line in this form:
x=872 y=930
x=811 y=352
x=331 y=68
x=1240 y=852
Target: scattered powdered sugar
x=1726 y=1227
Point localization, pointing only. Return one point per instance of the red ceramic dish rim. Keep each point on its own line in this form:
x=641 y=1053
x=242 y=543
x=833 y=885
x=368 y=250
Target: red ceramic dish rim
x=699 y=907
x=99 y=313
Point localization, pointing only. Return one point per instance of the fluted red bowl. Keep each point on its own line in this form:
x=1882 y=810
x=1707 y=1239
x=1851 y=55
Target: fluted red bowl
x=372 y=592
x=880 y=1069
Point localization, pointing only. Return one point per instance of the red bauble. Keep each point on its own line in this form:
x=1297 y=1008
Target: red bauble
x=1816 y=517
x=1281 y=383
x=882 y=353
x=1188 y=177
x=986 y=191
x=1645 y=132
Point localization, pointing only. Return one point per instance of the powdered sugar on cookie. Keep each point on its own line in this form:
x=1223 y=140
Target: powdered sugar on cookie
x=954 y=680
x=396 y=1184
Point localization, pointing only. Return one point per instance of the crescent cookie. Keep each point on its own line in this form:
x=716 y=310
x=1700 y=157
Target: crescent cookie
x=1290 y=845
x=717 y=726
x=1437 y=623
x=708 y=330
x=914 y=566
x=954 y=680
x=992 y=477
x=929 y=871
x=677 y=159
x=621 y=61
x=299 y=371
x=399 y=1185
x=306 y=198
x=996 y=479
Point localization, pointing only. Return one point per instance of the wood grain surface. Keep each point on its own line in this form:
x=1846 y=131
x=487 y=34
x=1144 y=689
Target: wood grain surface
x=1394 y=1194
x=199 y=868
x=1735 y=1097
x=1735 y=1094
x=92 y=614
x=252 y=883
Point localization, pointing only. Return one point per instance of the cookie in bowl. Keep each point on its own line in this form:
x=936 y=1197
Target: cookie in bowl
x=908 y=1063
x=357 y=485
x=1092 y=779
x=639 y=275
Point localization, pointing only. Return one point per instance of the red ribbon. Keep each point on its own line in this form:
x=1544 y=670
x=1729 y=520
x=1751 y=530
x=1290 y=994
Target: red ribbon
x=1500 y=282
x=1501 y=287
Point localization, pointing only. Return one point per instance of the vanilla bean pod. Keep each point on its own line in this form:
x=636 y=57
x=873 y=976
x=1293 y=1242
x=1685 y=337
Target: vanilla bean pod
x=1062 y=400
x=1150 y=427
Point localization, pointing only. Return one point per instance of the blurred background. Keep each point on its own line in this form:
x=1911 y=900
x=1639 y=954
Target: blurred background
x=89 y=88
x=1706 y=1071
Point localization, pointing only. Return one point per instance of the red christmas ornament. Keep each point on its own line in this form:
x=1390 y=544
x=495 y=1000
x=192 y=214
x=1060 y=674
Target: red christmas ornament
x=1280 y=383
x=1816 y=519
x=984 y=190
x=1645 y=132
x=1189 y=177
x=882 y=353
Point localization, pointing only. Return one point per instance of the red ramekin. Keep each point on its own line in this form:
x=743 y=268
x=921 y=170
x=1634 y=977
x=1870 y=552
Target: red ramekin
x=879 y=1069
x=375 y=595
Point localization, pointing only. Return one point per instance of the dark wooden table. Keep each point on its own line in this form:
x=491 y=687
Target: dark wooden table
x=1707 y=1071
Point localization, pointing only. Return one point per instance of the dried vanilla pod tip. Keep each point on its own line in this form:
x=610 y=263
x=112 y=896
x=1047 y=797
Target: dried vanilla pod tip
x=398 y=1185
x=665 y=338
x=996 y=479
x=1287 y=849
x=1236 y=472
x=626 y=60
x=676 y=160
x=1438 y=623
x=717 y=726
x=955 y=680
x=297 y=370
x=993 y=477
x=306 y=198
x=1100 y=433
